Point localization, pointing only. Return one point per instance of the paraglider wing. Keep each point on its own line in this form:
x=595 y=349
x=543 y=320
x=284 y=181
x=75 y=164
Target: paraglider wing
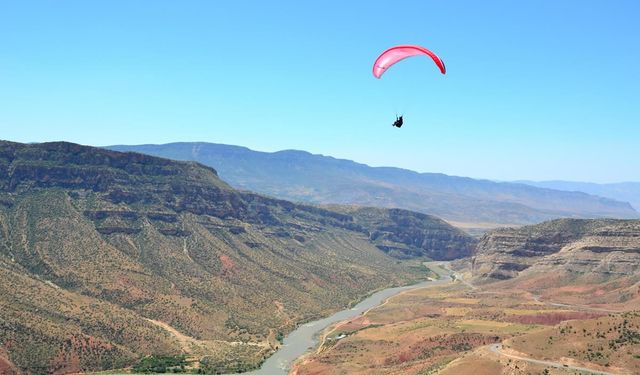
x=398 y=53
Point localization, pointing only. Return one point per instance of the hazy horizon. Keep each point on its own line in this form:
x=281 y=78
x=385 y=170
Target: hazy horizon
x=514 y=180
x=379 y=166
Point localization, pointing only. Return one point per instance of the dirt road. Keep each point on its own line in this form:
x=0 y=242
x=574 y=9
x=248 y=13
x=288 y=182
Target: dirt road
x=497 y=348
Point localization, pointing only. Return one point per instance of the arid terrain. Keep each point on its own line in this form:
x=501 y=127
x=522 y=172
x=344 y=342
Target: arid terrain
x=577 y=313
x=449 y=330
x=107 y=257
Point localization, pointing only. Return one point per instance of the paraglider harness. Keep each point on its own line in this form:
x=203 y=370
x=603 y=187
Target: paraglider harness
x=398 y=123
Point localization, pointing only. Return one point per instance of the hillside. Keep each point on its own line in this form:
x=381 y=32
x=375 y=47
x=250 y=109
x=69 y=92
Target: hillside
x=610 y=343
x=472 y=204
x=406 y=234
x=108 y=256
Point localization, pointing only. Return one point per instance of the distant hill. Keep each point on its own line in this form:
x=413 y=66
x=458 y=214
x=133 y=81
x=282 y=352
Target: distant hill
x=622 y=191
x=301 y=176
x=106 y=257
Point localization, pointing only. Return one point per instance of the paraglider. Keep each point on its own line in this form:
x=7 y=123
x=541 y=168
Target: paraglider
x=394 y=54
x=398 y=53
x=398 y=123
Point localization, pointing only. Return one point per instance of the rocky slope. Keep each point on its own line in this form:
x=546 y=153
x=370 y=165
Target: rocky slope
x=301 y=176
x=588 y=251
x=407 y=234
x=108 y=256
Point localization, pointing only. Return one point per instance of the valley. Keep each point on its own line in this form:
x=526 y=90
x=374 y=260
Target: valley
x=319 y=188
x=107 y=257
x=112 y=260
x=307 y=336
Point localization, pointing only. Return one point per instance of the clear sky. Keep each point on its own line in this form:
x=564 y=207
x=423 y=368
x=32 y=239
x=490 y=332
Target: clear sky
x=534 y=89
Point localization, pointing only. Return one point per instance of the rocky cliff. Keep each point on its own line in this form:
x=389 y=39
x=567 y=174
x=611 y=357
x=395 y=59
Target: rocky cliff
x=407 y=234
x=593 y=250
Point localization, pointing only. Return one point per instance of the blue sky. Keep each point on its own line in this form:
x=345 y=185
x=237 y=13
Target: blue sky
x=534 y=90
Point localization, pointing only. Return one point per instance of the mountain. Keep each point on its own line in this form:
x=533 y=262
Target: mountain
x=622 y=191
x=566 y=259
x=471 y=204
x=106 y=257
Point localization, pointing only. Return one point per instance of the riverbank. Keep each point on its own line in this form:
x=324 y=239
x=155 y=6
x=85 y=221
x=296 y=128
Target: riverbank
x=307 y=336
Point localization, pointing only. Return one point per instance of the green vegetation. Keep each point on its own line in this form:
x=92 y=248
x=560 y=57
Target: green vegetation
x=280 y=337
x=161 y=364
x=211 y=365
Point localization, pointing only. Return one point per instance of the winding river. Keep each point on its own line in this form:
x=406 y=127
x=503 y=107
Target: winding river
x=306 y=336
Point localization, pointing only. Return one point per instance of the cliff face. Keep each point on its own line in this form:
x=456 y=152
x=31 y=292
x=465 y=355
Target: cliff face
x=406 y=234
x=97 y=245
x=592 y=249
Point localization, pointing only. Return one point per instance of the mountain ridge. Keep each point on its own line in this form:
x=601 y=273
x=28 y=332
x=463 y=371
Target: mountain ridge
x=624 y=191
x=305 y=177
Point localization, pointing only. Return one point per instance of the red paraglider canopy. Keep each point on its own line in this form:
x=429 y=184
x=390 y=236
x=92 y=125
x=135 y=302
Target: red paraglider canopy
x=397 y=53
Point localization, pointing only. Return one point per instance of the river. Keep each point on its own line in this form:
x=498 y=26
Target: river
x=305 y=337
